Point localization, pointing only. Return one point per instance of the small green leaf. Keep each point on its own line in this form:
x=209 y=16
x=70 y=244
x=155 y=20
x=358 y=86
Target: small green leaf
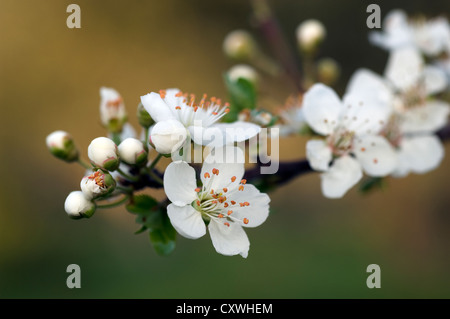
x=242 y=95
x=372 y=183
x=142 y=204
x=163 y=238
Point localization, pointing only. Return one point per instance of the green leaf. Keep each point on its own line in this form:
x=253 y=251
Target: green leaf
x=242 y=95
x=163 y=237
x=142 y=204
x=372 y=183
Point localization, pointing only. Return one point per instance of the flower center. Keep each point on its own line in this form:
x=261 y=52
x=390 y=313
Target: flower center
x=413 y=97
x=98 y=179
x=219 y=204
x=341 y=142
x=392 y=131
x=203 y=113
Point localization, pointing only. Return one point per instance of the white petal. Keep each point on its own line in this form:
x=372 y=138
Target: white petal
x=318 y=154
x=187 y=221
x=229 y=161
x=376 y=155
x=321 y=108
x=404 y=68
x=367 y=83
x=364 y=115
x=428 y=118
x=180 y=183
x=168 y=136
x=229 y=240
x=238 y=131
x=435 y=80
x=342 y=175
x=207 y=136
x=258 y=210
x=421 y=154
x=156 y=107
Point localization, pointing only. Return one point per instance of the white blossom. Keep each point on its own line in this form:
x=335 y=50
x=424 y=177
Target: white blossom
x=103 y=153
x=77 y=205
x=132 y=151
x=224 y=201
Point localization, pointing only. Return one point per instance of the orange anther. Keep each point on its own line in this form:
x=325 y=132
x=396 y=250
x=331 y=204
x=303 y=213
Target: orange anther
x=230 y=212
x=198 y=189
x=220 y=215
x=243 y=181
x=207 y=175
x=177 y=107
x=246 y=204
x=226 y=224
x=233 y=202
x=241 y=187
x=215 y=171
x=225 y=190
x=225 y=205
x=245 y=220
x=233 y=179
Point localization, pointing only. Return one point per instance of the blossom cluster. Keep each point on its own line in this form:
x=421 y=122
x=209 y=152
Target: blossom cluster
x=383 y=125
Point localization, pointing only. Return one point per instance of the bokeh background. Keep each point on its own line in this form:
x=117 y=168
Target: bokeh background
x=310 y=247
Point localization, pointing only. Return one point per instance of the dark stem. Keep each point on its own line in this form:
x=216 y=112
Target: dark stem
x=269 y=27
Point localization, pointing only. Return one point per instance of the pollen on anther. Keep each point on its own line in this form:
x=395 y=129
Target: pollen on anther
x=220 y=215
x=226 y=224
x=243 y=181
x=241 y=187
x=197 y=189
x=246 y=204
x=229 y=212
x=207 y=175
x=225 y=190
x=215 y=171
x=233 y=202
x=177 y=107
x=225 y=205
x=245 y=220
x=241 y=204
x=233 y=179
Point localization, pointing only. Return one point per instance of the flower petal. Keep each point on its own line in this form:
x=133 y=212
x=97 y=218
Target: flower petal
x=420 y=154
x=318 y=154
x=187 y=221
x=258 y=209
x=428 y=118
x=238 y=131
x=364 y=115
x=180 y=183
x=207 y=136
x=376 y=155
x=156 y=107
x=321 y=108
x=342 y=175
x=404 y=68
x=229 y=240
x=229 y=163
x=367 y=83
x=435 y=80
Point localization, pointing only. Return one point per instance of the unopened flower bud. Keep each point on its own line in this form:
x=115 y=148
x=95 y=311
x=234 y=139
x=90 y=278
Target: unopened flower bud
x=62 y=146
x=168 y=136
x=310 y=33
x=263 y=118
x=328 y=71
x=239 y=45
x=103 y=153
x=132 y=151
x=112 y=110
x=97 y=184
x=244 y=71
x=144 y=117
x=78 y=206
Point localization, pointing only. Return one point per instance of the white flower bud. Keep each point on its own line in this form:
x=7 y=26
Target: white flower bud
x=97 y=184
x=244 y=71
x=132 y=151
x=168 y=136
x=112 y=110
x=328 y=71
x=61 y=145
x=103 y=153
x=239 y=45
x=78 y=206
x=310 y=33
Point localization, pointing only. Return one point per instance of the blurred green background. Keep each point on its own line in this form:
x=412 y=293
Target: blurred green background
x=310 y=247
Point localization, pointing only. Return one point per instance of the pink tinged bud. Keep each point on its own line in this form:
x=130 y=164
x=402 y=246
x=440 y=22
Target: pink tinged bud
x=78 y=206
x=112 y=110
x=132 y=151
x=62 y=146
x=103 y=153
